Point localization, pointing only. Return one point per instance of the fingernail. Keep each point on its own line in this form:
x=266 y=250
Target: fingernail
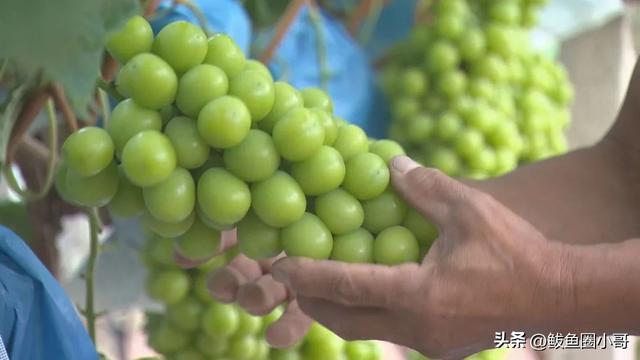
x=403 y=164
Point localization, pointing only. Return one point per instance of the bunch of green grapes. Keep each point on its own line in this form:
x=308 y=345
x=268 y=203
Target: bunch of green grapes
x=470 y=96
x=205 y=140
x=192 y=326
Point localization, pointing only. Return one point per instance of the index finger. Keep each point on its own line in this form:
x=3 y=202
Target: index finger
x=349 y=284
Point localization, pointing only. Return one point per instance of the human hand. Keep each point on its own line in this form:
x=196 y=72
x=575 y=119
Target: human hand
x=488 y=271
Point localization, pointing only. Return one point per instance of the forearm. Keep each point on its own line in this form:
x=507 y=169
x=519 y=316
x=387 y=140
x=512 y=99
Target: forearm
x=587 y=196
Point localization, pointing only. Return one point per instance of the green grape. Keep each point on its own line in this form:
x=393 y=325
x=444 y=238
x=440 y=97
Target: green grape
x=279 y=200
x=507 y=160
x=448 y=126
x=298 y=134
x=442 y=56
x=214 y=160
x=284 y=354
x=321 y=343
x=128 y=119
x=181 y=44
x=200 y=242
x=421 y=127
x=262 y=351
x=214 y=345
x=60 y=182
x=445 y=160
x=88 y=151
x=383 y=211
x=199 y=86
x=201 y=290
x=271 y=317
x=366 y=177
x=360 y=350
x=395 y=245
x=256 y=239
x=483 y=118
x=148 y=158
x=472 y=45
x=224 y=122
x=386 y=149
x=507 y=12
x=500 y=40
x=353 y=247
x=413 y=83
x=223 y=197
x=340 y=211
x=148 y=80
x=286 y=98
x=128 y=200
x=220 y=320
x=214 y=263
x=168 y=286
x=482 y=88
x=248 y=324
x=167 y=229
x=507 y=136
x=191 y=150
x=96 y=190
x=451 y=26
x=255 y=90
x=173 y=199
x=185 y=315
x=404 y=108
x=254 y=159
x=210 y=223
x=188 y=355
x=351 y=141
x=424 y=231
x=165 y=339
x=483 y=160
x=328 y=123
x=160 y=251
x=135 y=37
x=321 y=172
x=491 y=67
x=452 y=83
x=224 y=53
x=317 y=98
x=256 y=65
x=469 y=141
x=308 y=237
x=242 y=347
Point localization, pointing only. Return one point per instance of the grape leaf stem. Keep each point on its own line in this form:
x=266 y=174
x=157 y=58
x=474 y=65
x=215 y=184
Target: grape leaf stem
x=89 y=310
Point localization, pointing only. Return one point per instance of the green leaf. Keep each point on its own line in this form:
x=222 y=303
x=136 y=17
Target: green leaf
x=62 y=38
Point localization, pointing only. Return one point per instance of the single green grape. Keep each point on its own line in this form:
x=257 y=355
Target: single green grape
x=128 y=119
x=166 y=229
x=199 y=86
x=353 y=247
x=254 y=159
x=201 y=290
x=248 y=324
x=242 y=347
x=220 y=320
x=351 y=141
x=298 y=134
x=212 y=345
x=386 y=149
x=128 y=200
x=321 y=172
x=224 y=122
x=185 y=315
x=135 y=37
x=181 y=44
x=168 y=286
x=94 y=191
x=328 y=123
x=340 y=211
x=148 y=80
x=367 y=176
x=317 y=98
x=223 y=197
x=286 y=97
x=256 y=239
x=256 y=65
x=413 y=83
x=148 y=158
x=166 y=339
x=214 y=160
x=190 y=354
x=284 y=354
x=279 y=200
x=88 y=151
x=308 y=237
x=173 y=199
x=191 y=149
x=255 y=90
x=395 y=245
x=161 y=251
x=360 y=350
x=448 y=126
x=383 y=211
x=224 y=53
x=200 y=242
x=60 y=182
x=442 y=56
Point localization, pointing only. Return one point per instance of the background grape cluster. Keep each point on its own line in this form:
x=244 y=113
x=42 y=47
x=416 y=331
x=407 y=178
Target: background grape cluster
x=470 y=95
x=193 y=326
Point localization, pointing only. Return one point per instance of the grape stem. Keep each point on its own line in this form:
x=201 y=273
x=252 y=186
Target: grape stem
x=109 y=88
x=281 y=29
x=60 y=99
x=371 y=20
x=364 y=10
x=197 y=12
x=28 y=113
x=150 y=7
x=12 y=182
x=89 y=310
x=104 y=106
x=321 y=46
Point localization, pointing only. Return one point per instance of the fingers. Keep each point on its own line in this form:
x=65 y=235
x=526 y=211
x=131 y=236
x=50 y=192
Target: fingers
x=262 y=296
x=225 y=282
x=427 y=190
x=349 y=284
x=290 y=328
x=227 y=240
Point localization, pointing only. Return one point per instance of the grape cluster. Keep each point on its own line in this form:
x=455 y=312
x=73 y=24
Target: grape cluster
x=192 y=326
x=469 y=94
x=205 y=140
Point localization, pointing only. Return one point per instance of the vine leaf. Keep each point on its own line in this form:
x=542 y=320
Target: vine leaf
x=63 y=39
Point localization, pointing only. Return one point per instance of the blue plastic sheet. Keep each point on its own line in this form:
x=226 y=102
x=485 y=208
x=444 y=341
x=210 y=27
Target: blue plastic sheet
x=37 y=320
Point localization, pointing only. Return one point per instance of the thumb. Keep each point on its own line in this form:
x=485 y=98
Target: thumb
x=427 y=190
